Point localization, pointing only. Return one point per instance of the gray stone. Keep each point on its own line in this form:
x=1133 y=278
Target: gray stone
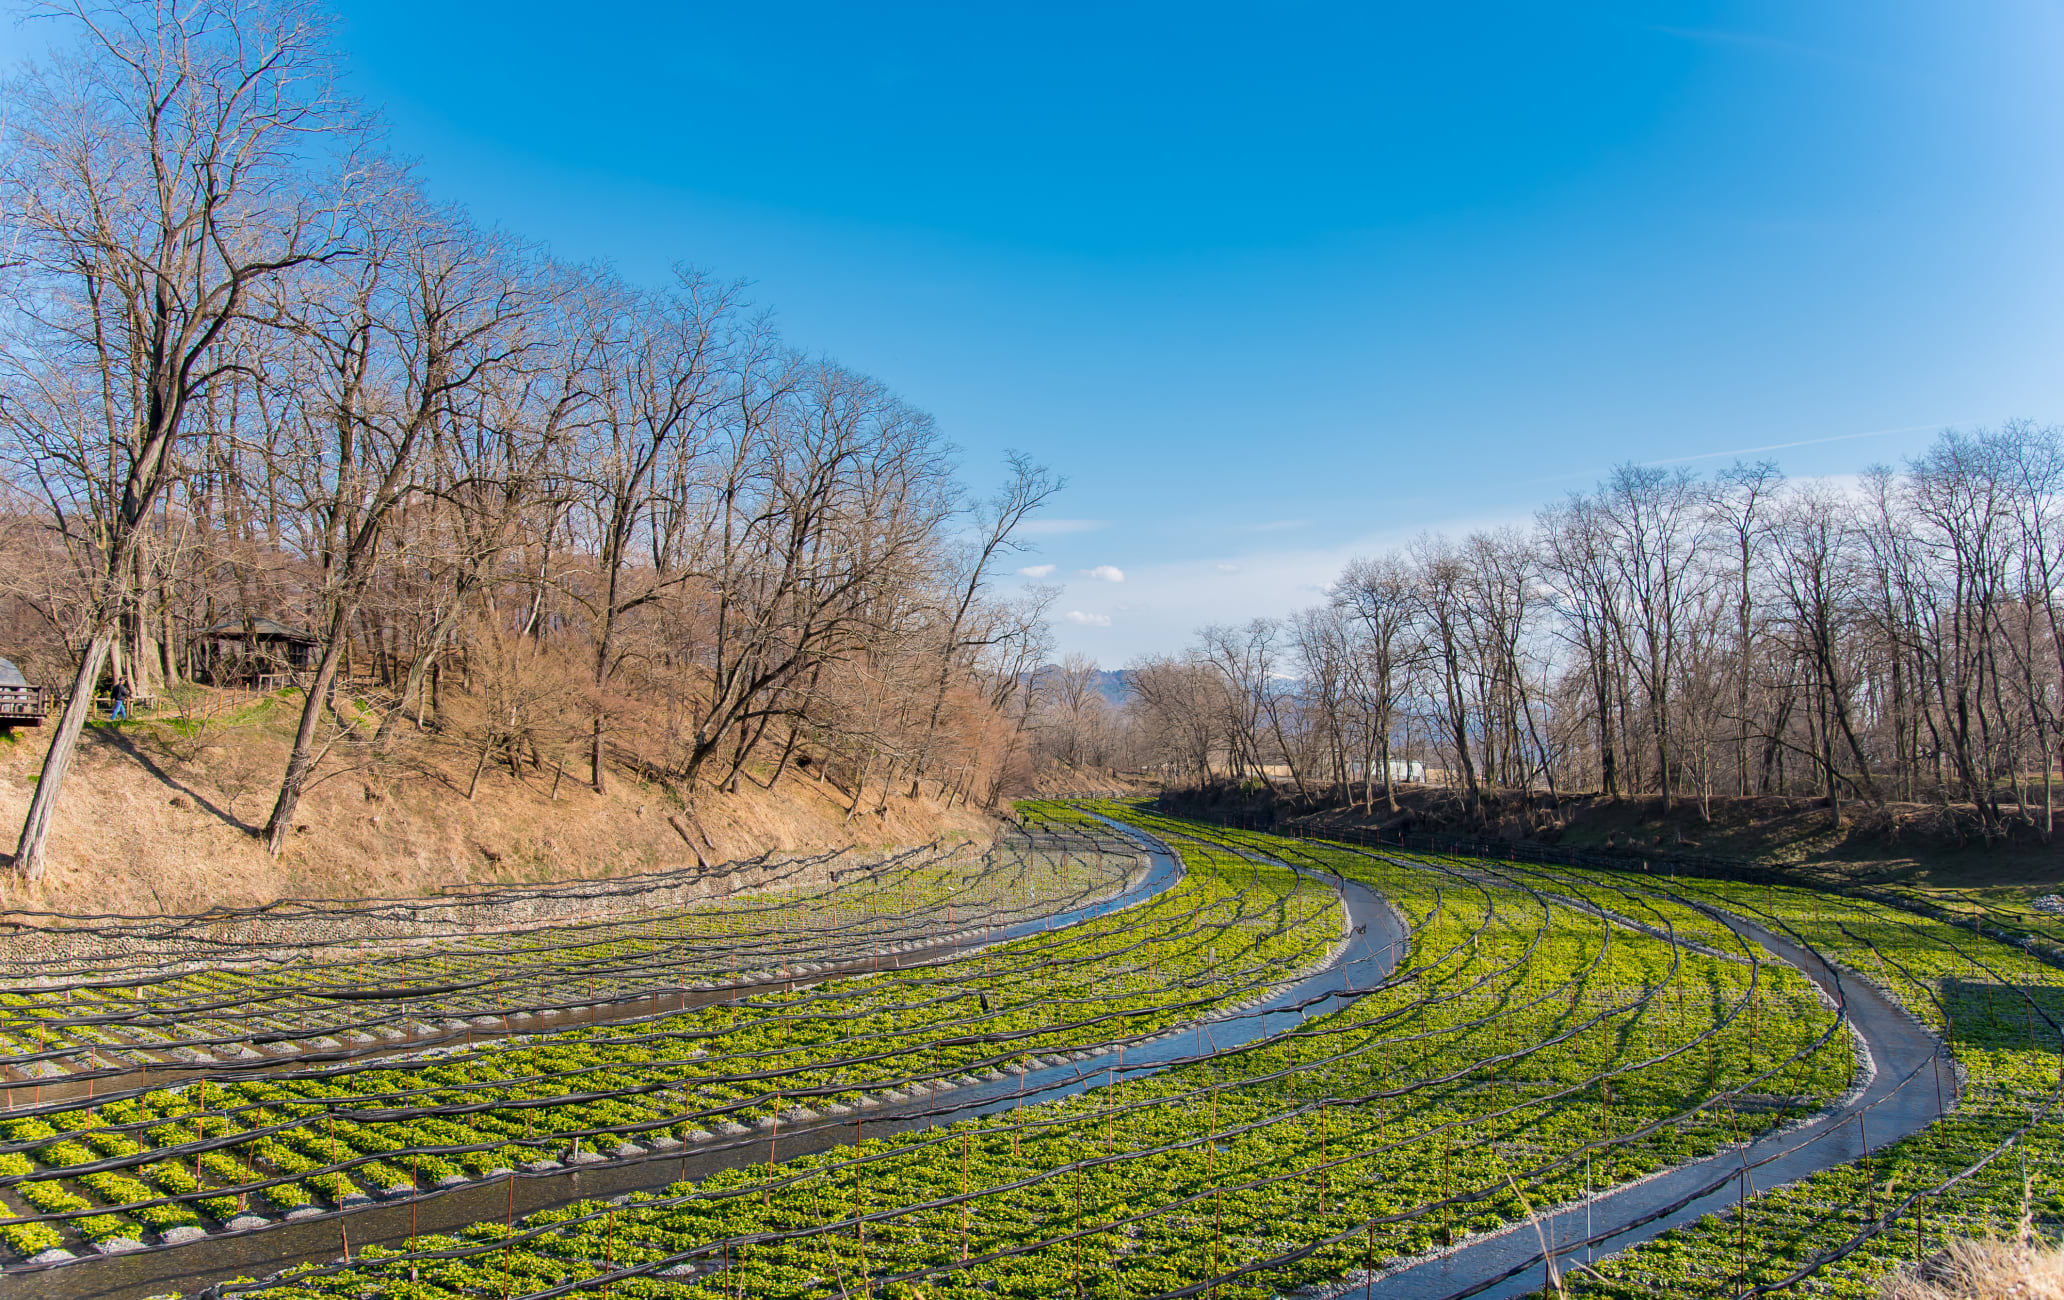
x=119 y=1245
x=51 y=1256
x=304 y=1212
x=586 y=1158
x=663 y=1142
x=700 y=1135
x=732 y=1128
x=452 y=1180
x=625 y=1150
x=184 y=1232
x=540 y=1166
x=246 y=1222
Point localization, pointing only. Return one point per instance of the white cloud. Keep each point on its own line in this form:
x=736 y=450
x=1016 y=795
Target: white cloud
x=1081 y=619
x=1105 y=573
x=1061 y=527
x=1037 y=570
x=1177 y=597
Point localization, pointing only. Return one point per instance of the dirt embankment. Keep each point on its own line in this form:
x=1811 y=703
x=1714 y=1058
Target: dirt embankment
x=1060 y=780
x=160 y=816
x=1922 y=844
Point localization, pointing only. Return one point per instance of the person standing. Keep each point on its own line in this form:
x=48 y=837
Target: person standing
x=119 y=700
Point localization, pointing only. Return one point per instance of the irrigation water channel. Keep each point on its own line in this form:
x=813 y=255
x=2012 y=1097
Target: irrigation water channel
x=1905 y=1095
x=1912 y=1088
x=1371 y=949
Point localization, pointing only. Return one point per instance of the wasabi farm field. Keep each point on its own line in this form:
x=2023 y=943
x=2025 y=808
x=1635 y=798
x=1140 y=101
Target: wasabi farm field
x=1111 y=1055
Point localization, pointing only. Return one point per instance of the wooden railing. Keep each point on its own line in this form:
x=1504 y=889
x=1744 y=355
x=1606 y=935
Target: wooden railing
x=24 y=703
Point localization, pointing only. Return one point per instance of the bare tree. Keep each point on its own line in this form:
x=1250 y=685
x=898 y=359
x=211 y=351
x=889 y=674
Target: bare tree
x=159 y=177
x=1655 y=520
x=1178 y=703
x=1741 y=498
x=1442 y=595
x=1382 y=595
x=662 y=369
x=393 y=343
x=1027 y=486
x=1898 y=639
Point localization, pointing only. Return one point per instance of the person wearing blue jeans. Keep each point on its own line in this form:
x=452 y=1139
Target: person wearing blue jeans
x=119 y=700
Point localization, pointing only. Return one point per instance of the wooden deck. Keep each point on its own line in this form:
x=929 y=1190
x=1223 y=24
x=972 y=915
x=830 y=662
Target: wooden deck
x=23 y=706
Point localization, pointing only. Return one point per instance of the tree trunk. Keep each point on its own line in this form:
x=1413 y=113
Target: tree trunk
x=421 y=667
x=1389 y=786
x=170 y=667
x=301 y=762
x=35 y=833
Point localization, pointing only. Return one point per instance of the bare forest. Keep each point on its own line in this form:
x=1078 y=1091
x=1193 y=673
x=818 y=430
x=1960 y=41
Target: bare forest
x=253 y=376
x=1890 y=640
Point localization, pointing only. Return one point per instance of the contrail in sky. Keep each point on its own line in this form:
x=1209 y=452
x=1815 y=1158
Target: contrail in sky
x=1785 y=446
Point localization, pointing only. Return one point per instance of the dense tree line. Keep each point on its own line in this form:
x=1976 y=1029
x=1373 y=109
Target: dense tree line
x=1895 y=639
x=249 y=369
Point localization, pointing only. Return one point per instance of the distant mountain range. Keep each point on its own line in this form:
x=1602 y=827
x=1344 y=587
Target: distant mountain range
x=1109 y=683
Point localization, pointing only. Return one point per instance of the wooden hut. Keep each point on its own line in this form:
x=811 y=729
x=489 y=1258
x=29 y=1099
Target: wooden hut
x=257 y=652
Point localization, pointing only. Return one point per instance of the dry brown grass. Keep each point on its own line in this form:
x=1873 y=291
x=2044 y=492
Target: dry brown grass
x=1983 y=1270
x=160 y=818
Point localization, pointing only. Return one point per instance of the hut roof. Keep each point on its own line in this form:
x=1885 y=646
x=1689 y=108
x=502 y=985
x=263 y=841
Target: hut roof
x=265 y=629
x=11 y=675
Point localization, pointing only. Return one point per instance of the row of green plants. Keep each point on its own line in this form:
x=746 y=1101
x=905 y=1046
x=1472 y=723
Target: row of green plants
x=912 y=899
x=1535 y=1040
x=1994 y=1166
x=273 y=1145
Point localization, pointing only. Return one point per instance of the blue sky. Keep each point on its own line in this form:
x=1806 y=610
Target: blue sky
x=1275 y=285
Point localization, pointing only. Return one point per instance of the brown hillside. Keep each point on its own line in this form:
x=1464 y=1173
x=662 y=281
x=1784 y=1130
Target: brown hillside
x=159 y=816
